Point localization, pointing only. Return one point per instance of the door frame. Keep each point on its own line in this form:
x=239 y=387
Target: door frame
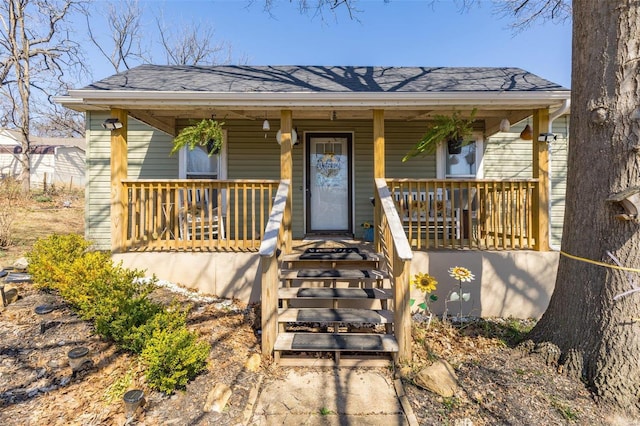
x=308 y=135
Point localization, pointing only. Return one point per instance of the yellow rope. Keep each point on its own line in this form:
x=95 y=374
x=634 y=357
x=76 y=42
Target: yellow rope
x=595 y=262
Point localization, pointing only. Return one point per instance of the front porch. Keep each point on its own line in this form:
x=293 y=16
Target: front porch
x=231 y=215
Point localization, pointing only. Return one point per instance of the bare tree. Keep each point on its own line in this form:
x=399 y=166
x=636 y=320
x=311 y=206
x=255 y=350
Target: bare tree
x=36 y=52
x=192 y=45
x=123 y=21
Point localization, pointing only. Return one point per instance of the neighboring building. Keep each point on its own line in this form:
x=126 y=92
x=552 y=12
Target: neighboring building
x=353 y=124
x=54 y=161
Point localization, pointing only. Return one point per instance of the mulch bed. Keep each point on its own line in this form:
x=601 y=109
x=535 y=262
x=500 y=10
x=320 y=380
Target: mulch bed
x=499 y=384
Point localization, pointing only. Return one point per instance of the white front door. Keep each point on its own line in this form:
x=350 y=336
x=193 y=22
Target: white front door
x=328 y=185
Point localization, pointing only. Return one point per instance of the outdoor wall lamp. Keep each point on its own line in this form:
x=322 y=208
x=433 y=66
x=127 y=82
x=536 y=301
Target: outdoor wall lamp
x=504 y=125
x=112 y=124
x=265 y=125
x=629 y=199
x=547 y=137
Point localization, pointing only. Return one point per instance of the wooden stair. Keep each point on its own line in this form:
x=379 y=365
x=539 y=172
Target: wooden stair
x=334 y=301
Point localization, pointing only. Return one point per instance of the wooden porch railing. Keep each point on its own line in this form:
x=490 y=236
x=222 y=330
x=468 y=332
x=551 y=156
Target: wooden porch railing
x=272 y=242
x=476 y=214
x=196 y=214
x=394 y=246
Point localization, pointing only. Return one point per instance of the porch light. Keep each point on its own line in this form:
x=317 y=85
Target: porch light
x=527 y=133
x=294 y=137
x=505 y=125
x=112 y=124
x=265 y=125
x=547 y=137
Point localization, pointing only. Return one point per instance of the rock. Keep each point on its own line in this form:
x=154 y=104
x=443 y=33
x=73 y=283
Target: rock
x=253 y=363
x=10 y=294
x=21 y=264
x=217 y=398
x=439 y=378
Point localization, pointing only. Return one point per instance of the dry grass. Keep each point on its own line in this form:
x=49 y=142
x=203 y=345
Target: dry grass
x=41 y=215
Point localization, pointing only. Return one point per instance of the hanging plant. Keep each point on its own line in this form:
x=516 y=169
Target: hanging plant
x=206 y=133
x=444 y=128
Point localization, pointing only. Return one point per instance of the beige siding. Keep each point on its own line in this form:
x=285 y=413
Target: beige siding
x=148 y=157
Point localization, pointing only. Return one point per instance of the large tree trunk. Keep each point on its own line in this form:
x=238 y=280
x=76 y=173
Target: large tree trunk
x=600 y=338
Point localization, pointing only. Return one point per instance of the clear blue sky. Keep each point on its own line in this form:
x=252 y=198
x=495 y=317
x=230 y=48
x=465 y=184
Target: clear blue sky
x=400 y=33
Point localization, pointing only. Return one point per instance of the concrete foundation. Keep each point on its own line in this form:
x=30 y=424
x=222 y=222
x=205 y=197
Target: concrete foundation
x=507 y=284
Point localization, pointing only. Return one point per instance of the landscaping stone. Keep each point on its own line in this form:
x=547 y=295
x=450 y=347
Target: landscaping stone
x=21 y=265
x=217 y=398
x=253 y=363
x=439 y=378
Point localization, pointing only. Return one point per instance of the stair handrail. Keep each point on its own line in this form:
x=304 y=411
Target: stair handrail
x=271 y=242
x=394 y=245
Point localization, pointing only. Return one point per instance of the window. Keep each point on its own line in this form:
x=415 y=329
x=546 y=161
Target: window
x=197 y=164
x=466 y=165
x=463 y=164
x=200 y=165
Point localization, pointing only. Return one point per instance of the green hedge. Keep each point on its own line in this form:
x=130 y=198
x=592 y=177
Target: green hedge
x=117 y=301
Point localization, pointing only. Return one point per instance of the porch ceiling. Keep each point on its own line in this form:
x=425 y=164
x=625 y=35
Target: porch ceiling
x=165 y=120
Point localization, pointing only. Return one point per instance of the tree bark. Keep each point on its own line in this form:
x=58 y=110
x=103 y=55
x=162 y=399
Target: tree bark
x=597 y=335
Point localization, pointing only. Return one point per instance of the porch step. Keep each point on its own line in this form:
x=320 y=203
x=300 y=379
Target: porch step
x=349 y=275
x=348 y=258
x=334 y=315
x=313 y=291
x=341 y=342
x=324 y=293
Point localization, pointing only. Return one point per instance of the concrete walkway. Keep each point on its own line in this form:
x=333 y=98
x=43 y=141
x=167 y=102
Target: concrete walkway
x=331 y=396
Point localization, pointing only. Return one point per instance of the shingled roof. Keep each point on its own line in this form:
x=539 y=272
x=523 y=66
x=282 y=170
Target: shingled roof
x=328 y=79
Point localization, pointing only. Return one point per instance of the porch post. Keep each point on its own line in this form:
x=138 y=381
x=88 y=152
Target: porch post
x=541 y=172
x=118 y=174
x=286 y=171
x=378 y=167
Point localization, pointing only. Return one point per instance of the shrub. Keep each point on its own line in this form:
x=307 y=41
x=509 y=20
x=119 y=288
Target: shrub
x=117 y=300
x=173 y=356
x=51 y=257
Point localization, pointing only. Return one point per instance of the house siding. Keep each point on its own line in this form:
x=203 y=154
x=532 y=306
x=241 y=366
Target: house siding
x=148 y=158
x=507 y=156
x=251 y=155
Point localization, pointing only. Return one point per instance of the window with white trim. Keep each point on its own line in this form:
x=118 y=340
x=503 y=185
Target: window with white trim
x=465 y=165
x=197 y=164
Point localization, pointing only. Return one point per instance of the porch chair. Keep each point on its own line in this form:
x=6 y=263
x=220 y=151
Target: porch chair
x=429 y=212
x=199 y=219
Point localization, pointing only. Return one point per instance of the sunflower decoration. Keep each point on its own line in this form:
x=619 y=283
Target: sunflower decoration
x=424 y=282
x=461 y=274
x=427 y=284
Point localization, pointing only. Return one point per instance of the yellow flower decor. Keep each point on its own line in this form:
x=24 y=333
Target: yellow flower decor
x=461 y=274
x=366 y=225
x=424 y=282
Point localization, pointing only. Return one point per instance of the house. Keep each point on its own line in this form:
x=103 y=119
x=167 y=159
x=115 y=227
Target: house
x=315 y=151
x=54 y=161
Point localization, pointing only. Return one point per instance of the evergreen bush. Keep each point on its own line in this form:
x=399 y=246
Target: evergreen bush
x=117 y=300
